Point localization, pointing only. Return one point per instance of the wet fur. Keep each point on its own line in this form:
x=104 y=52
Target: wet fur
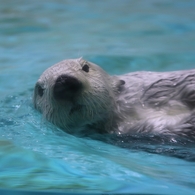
x=135 y=103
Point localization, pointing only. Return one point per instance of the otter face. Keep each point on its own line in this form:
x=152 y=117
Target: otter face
x=74 y=94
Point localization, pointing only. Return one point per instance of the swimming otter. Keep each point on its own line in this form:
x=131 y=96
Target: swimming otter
x=78 y=96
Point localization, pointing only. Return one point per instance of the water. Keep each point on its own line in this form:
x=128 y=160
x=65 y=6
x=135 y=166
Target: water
x=120 y=36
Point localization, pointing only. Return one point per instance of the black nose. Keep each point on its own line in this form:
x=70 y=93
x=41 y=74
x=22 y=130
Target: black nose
x=66 y=87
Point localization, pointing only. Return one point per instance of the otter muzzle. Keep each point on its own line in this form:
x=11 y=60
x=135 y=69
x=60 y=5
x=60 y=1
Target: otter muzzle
x=66 y=87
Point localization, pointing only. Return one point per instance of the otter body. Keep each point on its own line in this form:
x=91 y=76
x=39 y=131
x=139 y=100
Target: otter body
x=80 y=97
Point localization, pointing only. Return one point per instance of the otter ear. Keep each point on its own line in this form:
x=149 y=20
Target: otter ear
x=122 y=82
x=117 y=83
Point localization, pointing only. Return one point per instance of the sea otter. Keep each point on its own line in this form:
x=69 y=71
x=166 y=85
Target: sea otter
x=80 y=97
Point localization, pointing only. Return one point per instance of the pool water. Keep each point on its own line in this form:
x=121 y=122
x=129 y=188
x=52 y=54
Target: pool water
x=120 y=36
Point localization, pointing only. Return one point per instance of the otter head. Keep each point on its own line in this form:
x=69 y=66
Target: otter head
x=75 y=94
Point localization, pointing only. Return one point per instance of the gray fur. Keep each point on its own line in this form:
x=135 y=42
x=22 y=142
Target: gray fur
x=139 y=102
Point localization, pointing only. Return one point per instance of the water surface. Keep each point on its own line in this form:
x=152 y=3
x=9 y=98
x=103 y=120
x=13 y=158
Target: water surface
x=120 y=36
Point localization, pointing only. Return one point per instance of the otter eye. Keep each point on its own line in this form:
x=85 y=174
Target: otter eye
x=40 y=90
x=85 y=68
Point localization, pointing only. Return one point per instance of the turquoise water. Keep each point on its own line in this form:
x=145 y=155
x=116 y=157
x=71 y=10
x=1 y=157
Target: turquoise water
x=120 y=36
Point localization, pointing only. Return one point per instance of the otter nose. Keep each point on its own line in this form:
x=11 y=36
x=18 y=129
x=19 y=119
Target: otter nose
x=66 y=87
